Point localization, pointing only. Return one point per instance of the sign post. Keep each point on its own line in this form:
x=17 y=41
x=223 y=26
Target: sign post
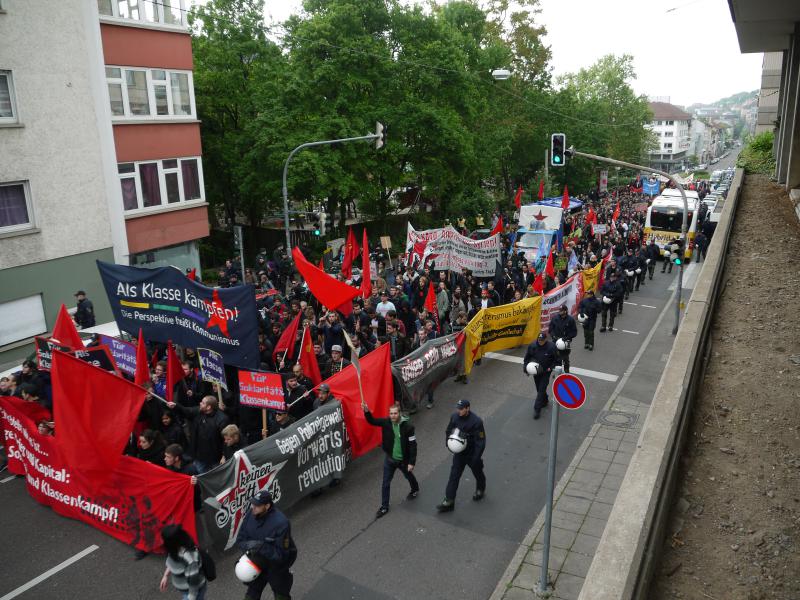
x=570 y=393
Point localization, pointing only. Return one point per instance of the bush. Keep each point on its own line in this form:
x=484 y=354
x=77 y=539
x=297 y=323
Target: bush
x=756 y=156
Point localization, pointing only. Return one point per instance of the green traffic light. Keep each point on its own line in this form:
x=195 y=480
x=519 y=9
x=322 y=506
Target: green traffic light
x=316 y=232
x=677 y=261
x=557 y=159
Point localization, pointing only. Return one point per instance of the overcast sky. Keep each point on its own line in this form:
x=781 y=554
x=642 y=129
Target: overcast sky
x=689 y=54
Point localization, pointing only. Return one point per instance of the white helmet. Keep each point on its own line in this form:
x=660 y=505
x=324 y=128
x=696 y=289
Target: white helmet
x=607 y=299
x=638 y=270
x=532 y=368
x=246 y=570
x=667 y=255
x=628 y=272
x=582 y=318
x=562 y=344
x=647 y=261
x=456 y=442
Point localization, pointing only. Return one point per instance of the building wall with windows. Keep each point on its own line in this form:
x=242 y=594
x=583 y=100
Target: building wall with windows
x=59 y=189
x=670 y=125
x=147 y=53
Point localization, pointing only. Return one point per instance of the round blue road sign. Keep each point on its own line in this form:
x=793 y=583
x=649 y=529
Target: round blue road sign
x=569 y=391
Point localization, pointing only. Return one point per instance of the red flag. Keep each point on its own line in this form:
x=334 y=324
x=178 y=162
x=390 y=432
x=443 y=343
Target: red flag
x=366 y=276
x=518 y=198
x=591 y=216
x=541 y=189
x=549 y=269
x=430 y=305
x=331 y=293
x=538 y=283
x=142 y=374
x=615 y=216
x=65 y=331
x=96 y=410
x=174 y=371
x=192 y=274
x=351 y=252
x=286 y=341
x=308 y=360
x=376 y=381
x=565 y=199
x=497 y=228
x=321 y=265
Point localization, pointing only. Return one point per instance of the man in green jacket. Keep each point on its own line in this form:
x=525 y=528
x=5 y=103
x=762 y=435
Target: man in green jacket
x=399 y=444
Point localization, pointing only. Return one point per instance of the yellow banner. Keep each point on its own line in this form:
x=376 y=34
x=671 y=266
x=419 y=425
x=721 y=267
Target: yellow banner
x=591 y=277
x=501 y=328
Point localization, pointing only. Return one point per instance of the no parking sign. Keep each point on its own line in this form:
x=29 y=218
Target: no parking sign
x=569 y=391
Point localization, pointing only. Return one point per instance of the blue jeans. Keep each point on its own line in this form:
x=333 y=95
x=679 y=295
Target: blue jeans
x=389 y=467
x=200 y=595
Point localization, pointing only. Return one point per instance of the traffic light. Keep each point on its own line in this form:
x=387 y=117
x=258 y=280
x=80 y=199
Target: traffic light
x=315 y=220
x=380 y=131
x=322 y=218
x=558 y=145
x=238 y=241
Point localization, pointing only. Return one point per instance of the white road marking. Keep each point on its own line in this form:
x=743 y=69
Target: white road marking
x=632 y=303
x=648 y=306
x=574 y=370
x=49 y=573
x=627 y=331
x=7 y=479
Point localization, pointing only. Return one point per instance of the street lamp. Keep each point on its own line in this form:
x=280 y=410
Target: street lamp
x=501 y=74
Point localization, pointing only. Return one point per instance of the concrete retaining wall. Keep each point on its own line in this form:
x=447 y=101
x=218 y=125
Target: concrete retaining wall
x=624 y=561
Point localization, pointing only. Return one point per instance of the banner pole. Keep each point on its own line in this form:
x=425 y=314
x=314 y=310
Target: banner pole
x=264 y=423
x=219 y=397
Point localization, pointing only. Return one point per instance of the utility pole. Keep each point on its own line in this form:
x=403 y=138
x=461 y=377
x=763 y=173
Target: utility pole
x=379 y=137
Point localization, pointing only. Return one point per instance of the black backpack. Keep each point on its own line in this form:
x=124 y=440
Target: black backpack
x=207 y=565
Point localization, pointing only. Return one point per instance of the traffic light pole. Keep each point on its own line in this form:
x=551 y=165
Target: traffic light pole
x=362 y=138
x=619 y=163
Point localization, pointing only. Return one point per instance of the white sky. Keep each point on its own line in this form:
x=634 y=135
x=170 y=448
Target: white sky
x=690 y=54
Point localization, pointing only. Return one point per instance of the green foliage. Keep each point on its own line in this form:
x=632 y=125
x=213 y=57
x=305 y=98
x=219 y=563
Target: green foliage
x=756 y=156
x=465 y=140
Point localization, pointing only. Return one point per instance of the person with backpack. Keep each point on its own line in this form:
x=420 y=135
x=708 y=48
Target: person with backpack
x=189 y=568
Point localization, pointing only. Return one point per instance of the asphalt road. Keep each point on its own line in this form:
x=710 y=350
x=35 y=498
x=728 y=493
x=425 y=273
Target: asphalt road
x=412 y=552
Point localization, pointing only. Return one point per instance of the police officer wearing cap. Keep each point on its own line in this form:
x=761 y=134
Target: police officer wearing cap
x=611 y=289
x=266 y=537
x=543 y=352
x=563 y=327
x=589 y=307
x=652 y=253
x=470 y=428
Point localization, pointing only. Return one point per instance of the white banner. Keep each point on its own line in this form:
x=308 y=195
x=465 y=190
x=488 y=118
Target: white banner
x=600 y=228
x=451 y=251
x=568 y=295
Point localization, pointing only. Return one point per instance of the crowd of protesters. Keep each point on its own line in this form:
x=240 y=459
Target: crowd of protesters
x=205 y=425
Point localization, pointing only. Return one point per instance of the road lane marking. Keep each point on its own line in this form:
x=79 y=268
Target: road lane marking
x=49 y=573
x=628 y=331
x=648 y=306
x=632 y=303
x=7 y=479
x=574 y=370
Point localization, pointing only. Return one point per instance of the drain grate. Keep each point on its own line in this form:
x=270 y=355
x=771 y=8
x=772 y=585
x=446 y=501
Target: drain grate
x=617 y=418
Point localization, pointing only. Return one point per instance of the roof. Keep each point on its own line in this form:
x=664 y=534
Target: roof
x=664 y=110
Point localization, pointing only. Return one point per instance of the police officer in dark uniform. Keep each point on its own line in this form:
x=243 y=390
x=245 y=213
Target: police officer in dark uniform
x=589 y=306
x=611 y=289
x=627 y=267
x=641 y=266
x=562 y=326
x=652 y=254
x=541 y=351
x=471 y=428
x=266 y=537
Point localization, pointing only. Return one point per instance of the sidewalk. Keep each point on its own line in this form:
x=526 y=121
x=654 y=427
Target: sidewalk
x=585 y=494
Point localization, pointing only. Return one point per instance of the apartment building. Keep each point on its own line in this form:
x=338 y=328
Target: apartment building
x=670 y=125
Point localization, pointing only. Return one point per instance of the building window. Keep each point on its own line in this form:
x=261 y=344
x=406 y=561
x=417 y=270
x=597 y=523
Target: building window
x=8 y=105
x=158 y=183
x=669 y=122
x=668 y=133
x=170 y=12
x=151 y=93
x=22 y=318
x=16 y=212
x=668 y=146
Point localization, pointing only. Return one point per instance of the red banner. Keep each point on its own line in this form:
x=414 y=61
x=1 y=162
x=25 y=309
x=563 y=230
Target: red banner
x=261 y=390
x=133 y=505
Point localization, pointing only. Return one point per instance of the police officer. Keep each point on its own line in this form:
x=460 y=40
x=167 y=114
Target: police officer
x=589 y=306
x=628 y=268
x=470 y=426
x=562 y=326
x=541 y=351
x=641 y=264
x=652 y=254
x=266 y=537
x=613 y=290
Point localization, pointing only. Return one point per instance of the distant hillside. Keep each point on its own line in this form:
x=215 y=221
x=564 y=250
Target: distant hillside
x=738 y=98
